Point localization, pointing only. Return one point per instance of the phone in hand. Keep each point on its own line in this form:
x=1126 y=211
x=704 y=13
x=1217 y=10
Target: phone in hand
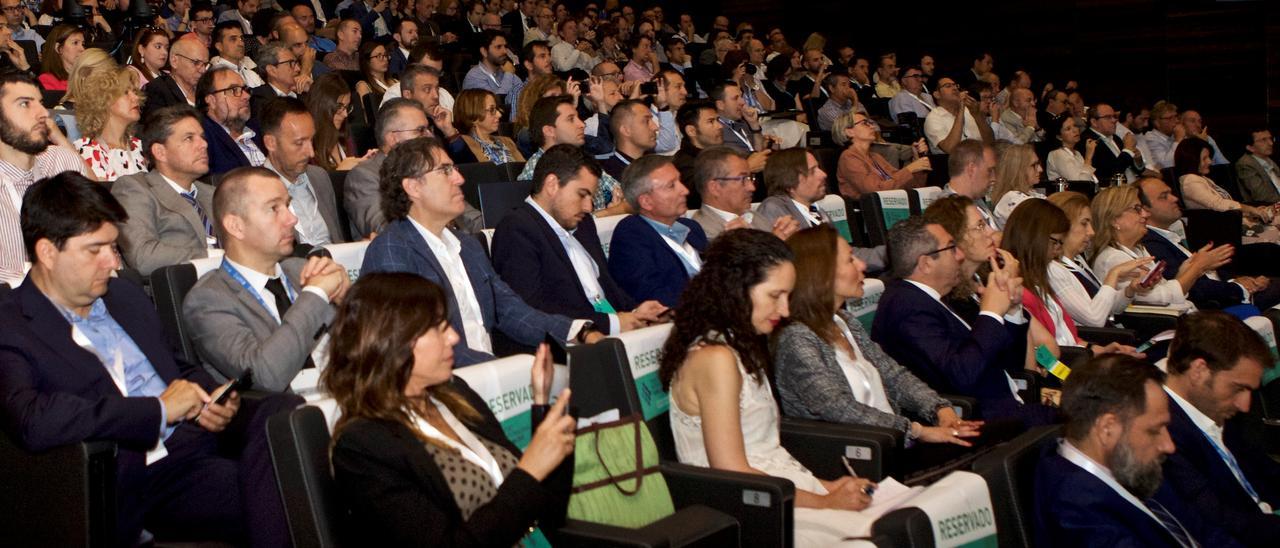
x=667 y=315
x=1154 y=275
x=243 y=382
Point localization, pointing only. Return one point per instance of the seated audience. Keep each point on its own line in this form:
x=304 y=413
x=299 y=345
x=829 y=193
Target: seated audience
x=170 y=211
x=716 y=366
x=150 y=55
x=912 y=97
x=1166 y=132
x=426 y=54
x=960 y=218
x=59 y=386
x=404 y=37
x=1102 y=484
x=1067 y=160
x=421 y=196
x=25 y=157
x=224 y=100
x=542 y=85
x=1191 y=163
x=861 y=171
x=228 y=39
x=841 y=99
x=700 y=130
x=972 y=167
x=188 y=61
x=64 y=45
x=548 y=252
x=955 y=119
x=330 y=104
x=952 y=355
x=1087 y=298
x=1114 y=154
x=655 y=251
x=741 y=123
x=1017 y=171
x=201 y=23
x=261 y=310
x=571 y=53
x=1194 y=126
x=826 y=366
x=554 y=121
x=1216 y=363
x=1019 y=120
x=398 y=121
x=417 y=455
x=106 y=112
x=1256 y=172
x=287 y=133
x=725 y=182
x=635 y=133
x=351 y=51
x=488 y=74
x=282 y=72
x=477 y=117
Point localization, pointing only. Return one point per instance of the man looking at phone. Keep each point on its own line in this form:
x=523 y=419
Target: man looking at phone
x=82 y=357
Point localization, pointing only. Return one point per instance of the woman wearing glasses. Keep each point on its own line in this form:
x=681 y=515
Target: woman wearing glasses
x=107 y=109
x=150 y=55
x=330 y=104
x=861 y=171
x=1088 y=298
x=1016 y=173
x=61 y=49
x=477 y=116
x=374 y=61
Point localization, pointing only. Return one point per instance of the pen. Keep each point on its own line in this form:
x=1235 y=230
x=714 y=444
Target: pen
x=867 y=489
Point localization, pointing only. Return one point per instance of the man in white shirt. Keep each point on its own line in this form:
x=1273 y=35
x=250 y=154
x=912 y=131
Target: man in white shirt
x=1194 y=125
x=569 y=53
x=228 y=39
x=955 y=119
x=1216 y=363
x=1020 y=118
x=1166 y=132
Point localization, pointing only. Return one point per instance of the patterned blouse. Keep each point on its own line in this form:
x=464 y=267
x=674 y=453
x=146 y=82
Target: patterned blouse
x=109 y=164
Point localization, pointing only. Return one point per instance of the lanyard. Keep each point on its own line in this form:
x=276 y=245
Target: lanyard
x=1074 y=267
x=1234 y=466
x=738 y=134
x=239 y=278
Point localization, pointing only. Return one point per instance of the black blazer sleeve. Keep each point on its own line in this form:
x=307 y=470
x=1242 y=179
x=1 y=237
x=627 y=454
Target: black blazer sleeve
x=1205 y=292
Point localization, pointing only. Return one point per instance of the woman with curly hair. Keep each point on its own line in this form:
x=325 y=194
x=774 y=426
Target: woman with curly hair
x=91 y=61
x=62 y=47
x=330 y=104
x=150 y=55
x=105 y=113
x=716 y=365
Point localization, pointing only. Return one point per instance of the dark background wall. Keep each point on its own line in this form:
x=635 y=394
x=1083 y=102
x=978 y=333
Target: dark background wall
x=1219 y=57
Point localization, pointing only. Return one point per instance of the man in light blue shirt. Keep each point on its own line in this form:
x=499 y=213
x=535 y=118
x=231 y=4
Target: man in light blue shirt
x=488 y=74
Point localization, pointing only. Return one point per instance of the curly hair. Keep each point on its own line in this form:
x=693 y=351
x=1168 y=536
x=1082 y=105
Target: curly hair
x=535 y=89
x=91 y=61
x=718 y=300
x=322 y=101
x=99 y=90
x=406 y=160
x=371 y=351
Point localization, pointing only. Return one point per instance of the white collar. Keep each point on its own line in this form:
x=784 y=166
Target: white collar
x=1198 y=418
x=560 y=231
x=725 y=214
x=931 y=292
x=446 y=242
x=178 y=188
x=1170 y=235
x=1078 y=458
x=256 y=279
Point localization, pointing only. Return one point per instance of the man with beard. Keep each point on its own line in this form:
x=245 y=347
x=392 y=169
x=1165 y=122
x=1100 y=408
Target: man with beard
x=488 y=73
x=224 y=100
x=1216 y=362
x=1102 y=485
x=287 y=131
x=170 y=212
x=26 y=156
x=406 y=37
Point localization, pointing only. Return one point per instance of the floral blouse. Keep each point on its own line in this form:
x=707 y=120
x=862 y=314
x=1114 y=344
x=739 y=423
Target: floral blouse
x=109 y=164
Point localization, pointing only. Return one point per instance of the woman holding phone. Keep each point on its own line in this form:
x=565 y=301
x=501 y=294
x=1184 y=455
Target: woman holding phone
x=417 y=455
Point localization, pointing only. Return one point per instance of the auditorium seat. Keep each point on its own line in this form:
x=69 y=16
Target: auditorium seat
x=883 y=209
x=62 y=497
x=1010 y=472
x=169 y=286
x=350 y=255
x=497 y=199
x=604 y=229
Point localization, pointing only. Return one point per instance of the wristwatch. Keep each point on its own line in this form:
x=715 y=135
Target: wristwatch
x=587 y=328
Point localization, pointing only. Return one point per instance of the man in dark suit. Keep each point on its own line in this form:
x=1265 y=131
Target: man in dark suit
x=1101 y=485
x=654 y=252
x=281 y=68
x=188 y=61
x=920 y=332
x=1112 y=154
x=547 y=249
x=406 y=37
x=421 y=196
x=1215 y=364
x=517 y=22
x=224 y=100
x=82 y=358
x=287 y=130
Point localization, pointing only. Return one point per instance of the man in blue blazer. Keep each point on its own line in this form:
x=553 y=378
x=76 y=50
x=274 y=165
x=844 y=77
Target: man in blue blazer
x=421 y=195
x=1101 y=484
x=918 y=330
x=547 y=249
x=83 y=358
x=1215 y=364
x=654 y=252
x=220 y=95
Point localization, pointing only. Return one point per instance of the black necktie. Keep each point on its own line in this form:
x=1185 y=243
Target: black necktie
x=815 y=214
x=276 y=288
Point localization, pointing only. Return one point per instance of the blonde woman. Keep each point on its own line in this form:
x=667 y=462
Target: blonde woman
x=89 y=62
x=861 y=171
x=1018 y=170
x=107 y=111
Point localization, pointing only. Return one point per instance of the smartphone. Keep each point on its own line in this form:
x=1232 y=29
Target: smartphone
x=559 y=353
x=649 y=88
x=243 y=382
x=667 y=315
x=1152 y=277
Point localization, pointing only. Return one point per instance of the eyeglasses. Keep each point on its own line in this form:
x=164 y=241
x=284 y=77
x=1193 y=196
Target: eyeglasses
x=293 y=63
x=202 y=65
x=236 y=90
x=951 y=85
x=419 y=131
x=1168 y=117
x=741 y=178
x=1055 y=241
x=349 y=107
x=913 y=76
x=1136 y=208
x=379 y=56
x=12 y=9
x=447 y=169
x=865 y=122
x=611 y=75
x=980 y=228
x=492 y=110
x=940 y=250
x=202 y=20
x=1111 y=117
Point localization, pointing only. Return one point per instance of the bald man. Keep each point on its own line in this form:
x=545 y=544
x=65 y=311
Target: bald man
x=189 y=59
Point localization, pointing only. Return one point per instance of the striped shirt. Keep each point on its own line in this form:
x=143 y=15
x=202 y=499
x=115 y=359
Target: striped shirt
x=14 y=183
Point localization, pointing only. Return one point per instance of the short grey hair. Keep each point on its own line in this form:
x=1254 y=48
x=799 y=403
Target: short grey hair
x=636 y=180
x=412 y=72
x=842 y=122
x=269 y=54
x=389 y=114
x=712 y=163
x=907 y=241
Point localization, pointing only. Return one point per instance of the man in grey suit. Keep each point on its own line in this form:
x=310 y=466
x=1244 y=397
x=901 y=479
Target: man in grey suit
x=261 y=310
x=796 y=184
x=169 y=210
x=287 y=129
x=724 y=180
x=1258 y=174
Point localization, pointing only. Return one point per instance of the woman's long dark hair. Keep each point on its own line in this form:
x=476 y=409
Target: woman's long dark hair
x=718 y=300
x=322 y=101
x=371 y=350
x=815 y=249
x=1186 y=157
x=1026 y=236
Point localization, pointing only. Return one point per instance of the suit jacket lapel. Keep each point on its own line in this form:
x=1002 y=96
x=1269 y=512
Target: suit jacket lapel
x=325 y=200
x=553 y=242
x=54 y=330
x=247 y=300
x=404 y=231
x=171 y=201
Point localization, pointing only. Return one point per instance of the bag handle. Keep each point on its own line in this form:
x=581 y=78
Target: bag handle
x=635 y=424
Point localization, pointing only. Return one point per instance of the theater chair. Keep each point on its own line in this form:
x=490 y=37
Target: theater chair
x=1010 y=472
x=497 y=199
x=169 y=287
x=61 y=497
x=883 y=209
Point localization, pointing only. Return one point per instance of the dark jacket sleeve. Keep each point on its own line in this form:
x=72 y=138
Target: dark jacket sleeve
x=1205 y=292
x=518 y=258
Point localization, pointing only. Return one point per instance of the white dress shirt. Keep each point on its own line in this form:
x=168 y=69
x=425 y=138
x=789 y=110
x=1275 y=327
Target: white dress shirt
x=448 y=252
x=937 y=125
x=258 y=281
x=1165 y=293
x=1213 y=432
x=305 y=205
x=863 y=377
x=1087 y=311
x=584 y=266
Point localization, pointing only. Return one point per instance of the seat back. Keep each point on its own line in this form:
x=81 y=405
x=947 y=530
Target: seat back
x=169 y=287
x=1009 y=471
x=1266 y=330
x=299 y=443
x=605 y=227
x=1219 y=227
x=486 y=237
x=924 y=196
x=622 y=373
x=833 y=206
x=349 y=255
x=339 y=181
x=881 y=210
x=474 y=174
x=864 y=308
x=504 y=385
x=643 y=349
x=498 y=199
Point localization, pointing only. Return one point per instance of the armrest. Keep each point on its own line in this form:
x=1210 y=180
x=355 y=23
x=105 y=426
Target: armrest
x=63 y=497
x=585 y=533
x=694 y=525
x=1144 y=325
x=964 y=405
x=1028 y=384
x=763 y=505
x=1107 y=335
x=1071 y=355
x=819 y=446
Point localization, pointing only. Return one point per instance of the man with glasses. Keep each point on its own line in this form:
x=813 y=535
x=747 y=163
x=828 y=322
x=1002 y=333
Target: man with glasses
x=724 y=180
x=916 y=328
x=1258 y=174
x=15 y=16
x=422 y=192
x=913 y=97
x=1166 y=132
x=188 y=61
x=1114 y=156
x=287 y=131
x=956 y=119
x=345 y=55
x=228 y=40
x=282 y=70
x=224 y=100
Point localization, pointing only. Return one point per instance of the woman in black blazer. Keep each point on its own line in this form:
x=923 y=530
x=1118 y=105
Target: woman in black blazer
x=417 y=455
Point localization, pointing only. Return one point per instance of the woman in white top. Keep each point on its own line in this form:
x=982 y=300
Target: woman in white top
x=1065 y=162
x=1017 y=171
x=1121 y=221
x=1089 y=299
x=1191 y=161
x=716 y=364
